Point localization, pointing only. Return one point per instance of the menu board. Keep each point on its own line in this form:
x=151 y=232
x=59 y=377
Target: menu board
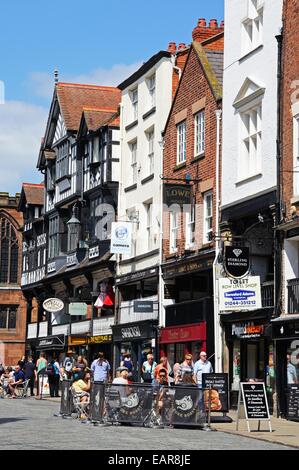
x=293 y=402
x=219 y=392
x=255 y=400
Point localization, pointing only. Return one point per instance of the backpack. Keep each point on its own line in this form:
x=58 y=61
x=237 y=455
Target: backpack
x=68 y=365
x=50 y=369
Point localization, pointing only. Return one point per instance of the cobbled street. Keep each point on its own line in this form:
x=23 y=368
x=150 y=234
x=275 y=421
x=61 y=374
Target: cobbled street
x=30 y=424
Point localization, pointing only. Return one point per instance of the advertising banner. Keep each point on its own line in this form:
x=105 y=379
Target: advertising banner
x=121 y=238
x=239 y=294
x=219 y=393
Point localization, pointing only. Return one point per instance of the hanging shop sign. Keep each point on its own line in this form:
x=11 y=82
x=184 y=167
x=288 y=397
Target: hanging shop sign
x=177 y=194
x=247 y=330
x=236 y=261
x=121 y=238
x=78 y=308
x=143 y=306
x=239 y=294
x=53 y=305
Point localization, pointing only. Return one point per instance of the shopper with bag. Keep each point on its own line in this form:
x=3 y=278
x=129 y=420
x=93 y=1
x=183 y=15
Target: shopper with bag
x=148 y=368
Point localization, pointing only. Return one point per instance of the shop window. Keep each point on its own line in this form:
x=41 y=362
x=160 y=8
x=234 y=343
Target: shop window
x=236 y=365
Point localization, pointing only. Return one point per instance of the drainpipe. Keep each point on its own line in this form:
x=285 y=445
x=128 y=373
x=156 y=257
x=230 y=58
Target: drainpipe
x=217 y=326
x=161 y=280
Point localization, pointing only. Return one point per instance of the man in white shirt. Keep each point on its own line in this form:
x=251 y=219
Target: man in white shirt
x=202 y=366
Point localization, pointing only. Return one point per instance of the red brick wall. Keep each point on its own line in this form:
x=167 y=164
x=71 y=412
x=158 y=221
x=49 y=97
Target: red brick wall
x=290 y=74
x=12 y=343
x=193 y=87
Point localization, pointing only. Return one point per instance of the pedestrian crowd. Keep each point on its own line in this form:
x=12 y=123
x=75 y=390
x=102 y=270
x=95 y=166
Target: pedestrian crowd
x=28 y=372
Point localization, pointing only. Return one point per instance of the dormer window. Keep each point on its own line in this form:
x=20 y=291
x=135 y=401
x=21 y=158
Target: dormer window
x=252 y=27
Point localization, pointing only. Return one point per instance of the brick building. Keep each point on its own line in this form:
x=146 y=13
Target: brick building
x=286 y=326
x=12 y=303
x=189 y=168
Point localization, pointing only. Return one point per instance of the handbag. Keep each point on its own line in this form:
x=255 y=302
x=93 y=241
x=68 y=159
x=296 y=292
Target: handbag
x=147 y=376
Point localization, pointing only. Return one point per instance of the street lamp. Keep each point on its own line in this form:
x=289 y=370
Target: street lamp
x=74 y=229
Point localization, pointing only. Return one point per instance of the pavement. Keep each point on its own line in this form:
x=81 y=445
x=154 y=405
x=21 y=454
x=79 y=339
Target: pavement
x=283 y=431
x=30 y=424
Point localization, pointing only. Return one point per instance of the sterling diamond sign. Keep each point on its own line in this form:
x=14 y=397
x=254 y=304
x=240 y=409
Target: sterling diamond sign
x=239 y=294
x=236 y=261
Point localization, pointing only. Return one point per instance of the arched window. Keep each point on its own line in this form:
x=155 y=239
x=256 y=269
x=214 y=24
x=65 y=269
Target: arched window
x=9 y=251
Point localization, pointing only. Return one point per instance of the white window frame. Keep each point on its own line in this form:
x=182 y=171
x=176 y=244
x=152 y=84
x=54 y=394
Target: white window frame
x=190 y=227
x=134 y=100
x=250 y=163
x=151 y=83
x=151 y=152
x=133 y=150
x=252 y=27
x=149 y=224
x=208 y=216
x=173 y=230
x=181 y=142
x=199 y=133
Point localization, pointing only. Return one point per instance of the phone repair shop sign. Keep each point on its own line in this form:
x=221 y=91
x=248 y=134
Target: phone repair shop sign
x=239 y=294
x=247 y=330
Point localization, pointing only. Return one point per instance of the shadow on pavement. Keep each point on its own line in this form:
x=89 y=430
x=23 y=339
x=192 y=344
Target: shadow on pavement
x=11 y=420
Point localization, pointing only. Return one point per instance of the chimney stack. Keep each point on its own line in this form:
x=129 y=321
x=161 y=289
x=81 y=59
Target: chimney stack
x=172 y=47
x=201 y=32
x=181 y=46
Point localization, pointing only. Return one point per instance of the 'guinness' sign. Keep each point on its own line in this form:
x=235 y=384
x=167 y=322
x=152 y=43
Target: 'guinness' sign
x=236 y=261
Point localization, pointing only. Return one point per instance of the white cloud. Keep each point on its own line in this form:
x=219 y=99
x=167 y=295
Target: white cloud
x=41 y=83
x=21 y=127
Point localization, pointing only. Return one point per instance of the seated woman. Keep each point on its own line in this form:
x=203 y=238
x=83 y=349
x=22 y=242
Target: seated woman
x=82 y=387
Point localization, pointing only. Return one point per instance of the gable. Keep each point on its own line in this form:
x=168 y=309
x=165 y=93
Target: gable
x=60 y=130
x=249 y=91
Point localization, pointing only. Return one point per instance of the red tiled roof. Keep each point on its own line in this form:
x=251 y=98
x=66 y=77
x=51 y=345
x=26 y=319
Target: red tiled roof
x=97 y=117
x=73 y=97
x=34 y=193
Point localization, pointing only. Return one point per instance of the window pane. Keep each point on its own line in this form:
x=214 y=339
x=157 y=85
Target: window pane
x=3 y=316
x=12 y=319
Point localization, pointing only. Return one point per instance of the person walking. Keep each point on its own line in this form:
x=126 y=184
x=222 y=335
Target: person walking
x=68 y=364
x=29 y=371
x=148 y=368
x=101 y=369
x=202 y=366
x=41 y=366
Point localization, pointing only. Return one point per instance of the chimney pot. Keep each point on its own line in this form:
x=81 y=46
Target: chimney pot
x=202 y=22
x=171 y=47
x=213 y=23
x=181 y=46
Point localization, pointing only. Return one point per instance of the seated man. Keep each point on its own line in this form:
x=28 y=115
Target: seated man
x=17 y=381
x=121 y=379
x=82 y=387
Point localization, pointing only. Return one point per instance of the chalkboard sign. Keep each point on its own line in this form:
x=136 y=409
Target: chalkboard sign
x=255 y=400
x=293 y=402
x=219 y=392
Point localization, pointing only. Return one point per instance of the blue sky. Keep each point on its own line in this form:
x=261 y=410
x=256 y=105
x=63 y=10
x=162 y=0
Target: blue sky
x=92 y=41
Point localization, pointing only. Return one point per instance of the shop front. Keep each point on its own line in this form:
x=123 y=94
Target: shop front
x=137 y=339
x=250 y=351
x=175 y=342
x=53 y=346
x=188 y=302
x=286 y=340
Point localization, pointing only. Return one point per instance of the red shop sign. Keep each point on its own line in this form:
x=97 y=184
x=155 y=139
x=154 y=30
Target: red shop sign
x=184 y=333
